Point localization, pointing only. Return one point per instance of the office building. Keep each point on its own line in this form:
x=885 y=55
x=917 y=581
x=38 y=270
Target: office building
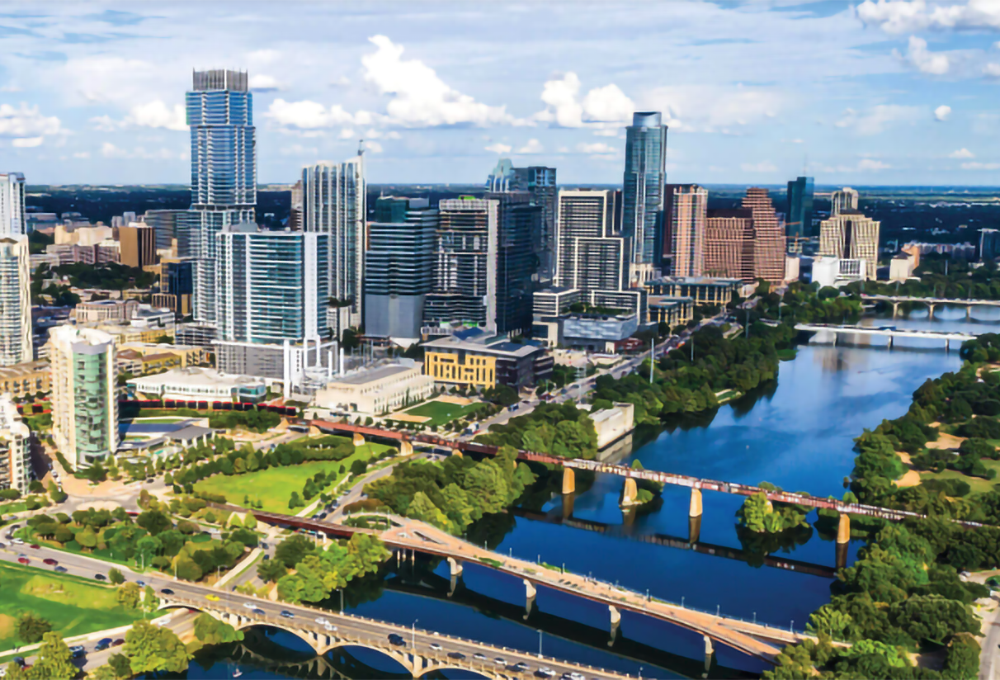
x=672 y=311
x=84 y=400
x=377 y=390
x=399 y=266
x=842 y=200
x=589 y=254
x=176 y=285
x=851 y=236
x=202 y=384
x=30 y=379
x=900 y=267
x=15 y=450
x=836 y=271
x=769 y=237
x=703 y=290
x=137 y=245
x=729 y=244
x=989 y=244
x=478 y=358
x=334 y=204
x=172 y=229
x=687 y=210
x=12 y=213
x=465 y=264
x=223 y=171
x=15 y=301
x=518 y=219
x=799 y=213
x=296 y=207
x=540 y=183
x=645 y=176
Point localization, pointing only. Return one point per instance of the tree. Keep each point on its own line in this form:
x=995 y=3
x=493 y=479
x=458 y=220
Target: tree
x=119 y=663
x=115 y=576
x=56 y=494
x=54 y=659
x=186 y=568
x=86 y=538
x=150 y=601
x=129 y=595
x=154 y=521
x=151 y=649
x=293 y=549
x=31 y=628
x=271 y=570
x=211 y=631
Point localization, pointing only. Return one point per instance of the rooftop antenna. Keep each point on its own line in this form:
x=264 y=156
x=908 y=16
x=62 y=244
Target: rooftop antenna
x=361 y=147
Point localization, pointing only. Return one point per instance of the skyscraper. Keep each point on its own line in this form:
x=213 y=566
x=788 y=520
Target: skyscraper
x=172 y=229
x=688 y=207
x=465 y=263
x=295 y=207
x=851 y=235
x=645 y=175
x=399 y=266
x=769 y=238
x=989 y=245
x=334 y=204
x=12 y=219
x=84 y=400
x=590 y=255
x=729 y=244
x=540 y=183
x=138 y=245
x=518 y=221
x=223 y=171
x=843 y=199
x=800 y=208
x=15 y=453
x=15 y=301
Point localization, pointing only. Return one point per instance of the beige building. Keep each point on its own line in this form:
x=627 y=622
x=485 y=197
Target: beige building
x=105 y=310
x=851 y=235
x=138 y=245
x=900 y=267
x=613 y=423
x=189 y=354
x=377 y=391
x=15 y=454
x=24 y=379
x=82 y=236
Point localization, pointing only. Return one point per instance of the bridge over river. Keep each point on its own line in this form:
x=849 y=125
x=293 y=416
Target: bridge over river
x=931 y=302
x=890 y=332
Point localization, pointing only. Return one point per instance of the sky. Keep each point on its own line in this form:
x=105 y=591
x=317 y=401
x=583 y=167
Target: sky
x=879 y=92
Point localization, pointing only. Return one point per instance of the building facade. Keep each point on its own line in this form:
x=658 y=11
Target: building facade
x=702 y=290
x=989 y=245
x=518 y=221
x=12 y=213
x=15 y=452
x=377 y=391
x=137 y=243
x=851 y=235
x=842 y=200
x=769 y=237
x=28 y=379
x=84 y=399
x=477 y=358
x=729 y=244
x=172 y=229
x=799 y=213
x=223 y=171
x=540 y=183
x=688 y=211
x=15 y=301
x=334 y=204
x=590 y=256
x=643 y=182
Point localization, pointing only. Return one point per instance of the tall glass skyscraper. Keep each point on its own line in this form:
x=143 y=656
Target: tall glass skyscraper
x=645 y=176
x=540 y=183
x=798 y=221
x=12 y=219
x=223 y=171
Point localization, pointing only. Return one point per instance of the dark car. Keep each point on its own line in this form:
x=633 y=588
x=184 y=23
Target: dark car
x=118 y=643
x=23 y=560
x=456 y=655
x=166 y=591
x=34 y=546
x=19 y=660
x=258 y=612
x=266 y=556
x=396 y=639
x=61 y=570
x=287 y=614
x=49 y=561
x=100 y=577
x=141 y=584
x=103 y=644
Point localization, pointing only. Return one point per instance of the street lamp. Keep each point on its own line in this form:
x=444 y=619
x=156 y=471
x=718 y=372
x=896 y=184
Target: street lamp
x=413 y=635
x=539 y=643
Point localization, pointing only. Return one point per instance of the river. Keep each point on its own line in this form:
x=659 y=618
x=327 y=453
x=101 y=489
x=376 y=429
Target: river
x=796 y=433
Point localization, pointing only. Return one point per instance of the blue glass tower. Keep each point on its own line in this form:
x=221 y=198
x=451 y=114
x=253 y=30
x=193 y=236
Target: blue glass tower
x=223 y=171
x=645 y=176
x=800 y=208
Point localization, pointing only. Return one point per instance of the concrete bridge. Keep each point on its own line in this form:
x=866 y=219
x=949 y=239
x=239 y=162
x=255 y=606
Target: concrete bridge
x=414 y=654
x=931 y=302
x=890 y=332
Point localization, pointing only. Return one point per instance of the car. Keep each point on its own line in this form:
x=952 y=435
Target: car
x=23 y=560
x=330 y=628
x=249 y=605
x=166 y=591
x=141 y=584
x=259 y=612
x=435 y=646
x=19 y=660
x=546 y=672
x=61 y=570
x=500 y=661
x=479 y=657
x=456 y=655
x=212 y=598
x=521 y=666
x=285 y=614
x=17 y=541
x=322 y=621
x=577 y=676
x=266 y=556
x=34 y=546
x=100 y=577
x=150 y=480
x=3 y=545
x=118 y=643
x=49 y=561
x=103 y=644
x=396 y=639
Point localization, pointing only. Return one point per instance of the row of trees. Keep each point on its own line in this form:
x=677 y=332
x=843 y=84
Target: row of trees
x=557 y=429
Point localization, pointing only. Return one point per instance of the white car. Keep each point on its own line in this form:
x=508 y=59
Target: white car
x=322 y=621
x=577 y=676
x=436 y=647
x=330 y=628
x=546 y=671
x=249 y=605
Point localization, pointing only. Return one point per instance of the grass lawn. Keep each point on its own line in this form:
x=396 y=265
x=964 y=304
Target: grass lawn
x=58 y=598
x=977 y=484
x=441 y=412
x=274 y=486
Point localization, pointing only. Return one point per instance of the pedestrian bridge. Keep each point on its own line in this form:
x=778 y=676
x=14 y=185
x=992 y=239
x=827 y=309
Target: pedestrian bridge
x=885 y=331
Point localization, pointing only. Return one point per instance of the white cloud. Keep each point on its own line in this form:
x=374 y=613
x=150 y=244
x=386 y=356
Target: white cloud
x=27 y=142
x=347 y=133
x=907 y=16
x=296 y=150
x=608 y=104
x=374 y=147
x=941 y=113
x=156 y=114
x=599 y=150
x=600 y=106
x=533 y=146
x=498 y=148
x=103 y=79
x=310 y=115
x=763 y=166
x=713 y=108
x=878 y=118
x=961 y=153
x=894 y=16
x=872 y=164
x=260 y=82
x=991 y=70
x=925 y=61
x=419 y=98
x=26 y=125
x=974 y=165
x=342 y=81
x=109 y=150
x=81 y=154
x=607 y=132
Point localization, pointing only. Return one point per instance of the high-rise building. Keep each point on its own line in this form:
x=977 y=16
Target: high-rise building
x=172 y=229
x=176 y=285
x=334 y=204
x=590 y=256
x=465 y=263
x=843 y=199
x=798 y=217
x=296 y=207
x=645 y=176
x=851 y=235
x=84 y=400
x=518 y=220
x=138 y=245
x=399 y=266
x=989 y=245
x=12 y=215
x=540 y=183
x=769 y=237
x=688 y=206
x=15 y=453
x=223 y=171
x=729 y=244
x=15 y=301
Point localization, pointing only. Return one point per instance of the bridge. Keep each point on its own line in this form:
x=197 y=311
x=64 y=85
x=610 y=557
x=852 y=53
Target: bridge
x=886 y=331
x=931 y=302
x=412 y=650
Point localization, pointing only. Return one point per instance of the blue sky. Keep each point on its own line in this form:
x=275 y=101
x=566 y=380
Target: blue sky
x=876 y=92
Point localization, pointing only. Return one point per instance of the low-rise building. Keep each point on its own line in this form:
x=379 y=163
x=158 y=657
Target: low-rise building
x=836 y=271
x=188 y=354
x=613 y=423
x=596 y=332
x=703 y=290
x=673 y=311
x=105 y=310
x=478 y=358
x=25 y=379
x=900 y=267
x=203 y=384
x=196 y=334
x=378 y=390
x=15 y=454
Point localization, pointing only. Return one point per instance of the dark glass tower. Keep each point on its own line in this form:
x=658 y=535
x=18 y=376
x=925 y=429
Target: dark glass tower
x=798 y=221
x=518 y=220
x=643 y=183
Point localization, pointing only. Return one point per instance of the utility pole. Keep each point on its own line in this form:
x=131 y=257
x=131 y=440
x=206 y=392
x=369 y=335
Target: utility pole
x=652 y=356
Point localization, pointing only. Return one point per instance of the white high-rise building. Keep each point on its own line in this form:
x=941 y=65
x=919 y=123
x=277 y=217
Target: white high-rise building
x=589 y=255
x=15 y=455
x=334 y=204
x=15 y=301
x=851 y=235
x=843 y=199
x=12 y=219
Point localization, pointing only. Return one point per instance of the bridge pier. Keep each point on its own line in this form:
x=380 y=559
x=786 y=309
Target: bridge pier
x=529 y=598
x=694 y=529
x=931 y=306
x=567 y=505
x=947 y=345
x=709 y=653
x=891 y=338
x=456 y=452
x=895 y=309
x=968 y=312
x=569 y=481
x=844 y=529
x=455 y=566
x=406 y=448
x=453 y=585
x=695 y=508
x=841 y=555
x=616 y=622
x=358 y=439
x=629 y=493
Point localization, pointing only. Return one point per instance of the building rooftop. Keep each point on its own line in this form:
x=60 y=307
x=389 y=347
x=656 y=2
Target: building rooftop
x=374 y=374
x=668 y=301
x=194 y=375
x=490 y=344
x=25 y=369
x=699 y=280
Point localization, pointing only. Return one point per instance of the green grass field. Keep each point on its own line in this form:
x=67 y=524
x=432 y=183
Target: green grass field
x=441 y=412
x=274 y=486
x=977 y=484
x=58 y=598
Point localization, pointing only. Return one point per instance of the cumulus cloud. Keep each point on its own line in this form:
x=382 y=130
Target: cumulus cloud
x=26 y=125
x=925 y=61
x=109 y=150
x=595 y=148
x=418 y=96
x=601 y=106
x=156 y=114
x=980 y=166
x=763 y=166
x=713 y=108
x=260 y=82
x=906 y=16
x=310 y=115
x=26 y=142
x=991 y=70
x=498 y=148
x=872 y=165
x=878 y=118
x=941 y=113
x=533 y=146
x=894 y=16
x=961 y=153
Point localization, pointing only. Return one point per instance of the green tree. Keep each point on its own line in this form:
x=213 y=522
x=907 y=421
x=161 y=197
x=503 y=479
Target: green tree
x=150 y=600
x=31 y=627
x=154 y=521
x=151 y=649
x=293 y=549
x=87 y=538
x=115 y=576
x=128 y=595
x=271 y=570
x=121 y=666
x=211 y=631
x=54 y=659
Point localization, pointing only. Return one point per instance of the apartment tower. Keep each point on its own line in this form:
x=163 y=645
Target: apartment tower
x=643 y=182
x=12 y=215
x=15 y=453
x=688 y=209
x=15 y=301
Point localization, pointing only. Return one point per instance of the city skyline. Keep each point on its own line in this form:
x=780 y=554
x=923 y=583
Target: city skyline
x=95 y=94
